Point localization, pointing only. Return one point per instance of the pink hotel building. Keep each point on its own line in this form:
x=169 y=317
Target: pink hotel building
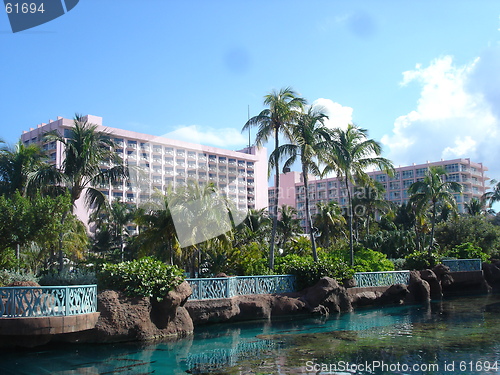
x=469 y=174
x=242 y=175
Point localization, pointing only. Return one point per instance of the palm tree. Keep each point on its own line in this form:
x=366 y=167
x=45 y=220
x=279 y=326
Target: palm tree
x=255 y=228
x=492 y=196
x=157 y=230
x=371 y=199
x=16 y=165
x=475 y=207
x=433 y=191
x=284 y=107
x=85 y=151
x=351 y=153
x=329 y=222
x=111 y=224
x=309 y=140
x=288 y=224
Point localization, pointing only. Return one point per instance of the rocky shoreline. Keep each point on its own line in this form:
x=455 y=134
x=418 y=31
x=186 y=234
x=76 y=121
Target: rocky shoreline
x=138 y=319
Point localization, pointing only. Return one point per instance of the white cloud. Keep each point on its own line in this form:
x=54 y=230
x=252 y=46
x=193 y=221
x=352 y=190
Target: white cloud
x=225 y=137
x=453 y=116
x=338 y=115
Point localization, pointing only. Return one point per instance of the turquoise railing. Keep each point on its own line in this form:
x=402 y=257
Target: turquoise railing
x=39 y=301
x=462 y=265
x=385 y=278
x=227 y=287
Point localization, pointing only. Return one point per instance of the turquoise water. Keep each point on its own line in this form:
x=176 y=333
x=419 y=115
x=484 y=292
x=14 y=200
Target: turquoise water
x=460 y=336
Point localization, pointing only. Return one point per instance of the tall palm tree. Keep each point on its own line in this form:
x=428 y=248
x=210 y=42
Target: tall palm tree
x=309 y=141
x=85 y=151
x=16 y=165
x=351 y=153
x=430 y=192
x=284 y=107
x=475 y=207
x=329 y=222
x=111 y=224
x=157 y=234
x=288 y=224
x=371 y=199
x=492 y=196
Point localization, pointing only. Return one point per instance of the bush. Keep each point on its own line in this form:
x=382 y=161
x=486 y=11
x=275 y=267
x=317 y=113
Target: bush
x=308 y=272
x=399 y=263
x=367 y=260
x=467 y=251
x=253 y=260
x=8 y=277
x=421 y=261
x=146 y=277
x=74 y=277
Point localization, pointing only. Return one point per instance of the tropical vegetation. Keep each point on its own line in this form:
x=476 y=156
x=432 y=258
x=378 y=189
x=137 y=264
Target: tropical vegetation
x=146 y=250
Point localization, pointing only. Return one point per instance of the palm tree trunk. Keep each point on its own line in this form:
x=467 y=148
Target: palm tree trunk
x=61 y=234
x=276 y=200
x=349 y=219
x=308 y=214
x=432 y=228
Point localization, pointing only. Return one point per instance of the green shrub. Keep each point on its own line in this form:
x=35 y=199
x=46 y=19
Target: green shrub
x=74 y=277
x=146 y=277
x=421 y=261
x=253 y=260
x=399 y=263
x=7 y=277
x=467 y=251
x=308 y=272
x=367 y=260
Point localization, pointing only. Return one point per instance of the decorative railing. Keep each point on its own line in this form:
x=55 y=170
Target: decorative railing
x=386 y=278
x=462 y=265
x=39 y=301
x=224 y=356
x=227 y=287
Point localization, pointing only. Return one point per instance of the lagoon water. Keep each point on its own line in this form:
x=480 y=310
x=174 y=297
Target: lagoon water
x=455 y=336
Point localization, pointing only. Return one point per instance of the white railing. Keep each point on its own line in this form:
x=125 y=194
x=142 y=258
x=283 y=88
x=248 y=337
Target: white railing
x=463 y=265
x=39 y=301
x=385 y=278
x=227 y=287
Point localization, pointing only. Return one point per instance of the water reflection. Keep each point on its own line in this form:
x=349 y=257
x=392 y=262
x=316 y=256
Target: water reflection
x=465 y=329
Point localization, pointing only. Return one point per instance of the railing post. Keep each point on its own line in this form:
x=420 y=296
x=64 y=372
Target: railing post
x=228 y=287
x=66 y=301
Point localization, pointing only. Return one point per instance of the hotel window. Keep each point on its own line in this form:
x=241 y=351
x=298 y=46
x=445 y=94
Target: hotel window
x=407 y=183
x=407 y=174
x=420 y=172
x=381 y=177
x=394 y=185
x=332 y=184
x=451 y=168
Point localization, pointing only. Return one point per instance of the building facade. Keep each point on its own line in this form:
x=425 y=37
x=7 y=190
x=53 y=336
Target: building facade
x=163 y=163
x=469 y=174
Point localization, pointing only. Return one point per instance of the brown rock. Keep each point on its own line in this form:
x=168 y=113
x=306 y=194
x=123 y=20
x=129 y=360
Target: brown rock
x=419 y=290
x=395 y=294
x=313 y=296
x=285 y=305
x=365 y=298
x=431 y=278
x=212 y=310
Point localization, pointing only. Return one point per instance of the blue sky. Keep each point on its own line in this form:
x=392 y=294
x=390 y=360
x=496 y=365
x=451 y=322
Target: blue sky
x=422 y=76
